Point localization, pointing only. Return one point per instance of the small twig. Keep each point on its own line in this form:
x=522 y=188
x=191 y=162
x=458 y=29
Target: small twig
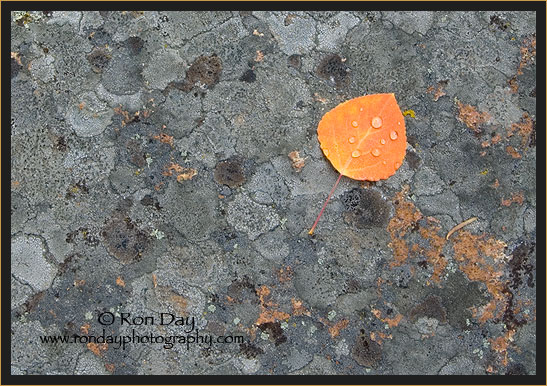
x=460 y=226
x=324 y=205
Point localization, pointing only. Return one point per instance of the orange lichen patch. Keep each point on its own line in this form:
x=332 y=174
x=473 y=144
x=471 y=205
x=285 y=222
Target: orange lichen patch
x=154 y=280
x=437 y=91
x=79 y=283
x=285 y=274
x=391 y=322
x=173 y=167
x=334 y=331
x=406 y=216
x=268 y=311
x=515 y=198
x=109 y=367
x=271 y=316
x=84 y=329
x=120 y=282
x=527 y=56
x=179 y=303
x=501 y=344
x=15 y=184
x=379 y=336
x=400 y=252
x=524 y=127
x=262 y=293
x=164 y=138
x=364 y=138
x=471 y=252
x=471 y=116
x=434 y=253
x=494 y=140
x=123 y=113
x=97 y=348
x=297 y=162
x=187 y=174
x=183 y=173
x=513 y=85
x=81 y=105
x=259 y=56
x=527 y=53
x=513 y=152
x=298 y=308
x=127 y=118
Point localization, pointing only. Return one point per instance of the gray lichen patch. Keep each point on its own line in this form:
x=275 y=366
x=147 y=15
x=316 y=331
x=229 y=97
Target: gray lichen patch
x=295 y=31
x=247 y=216
x=164 y=67
x=29 y=264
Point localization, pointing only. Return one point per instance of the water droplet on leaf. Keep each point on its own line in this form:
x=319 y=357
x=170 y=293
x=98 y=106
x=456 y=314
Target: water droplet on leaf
x=376 y=122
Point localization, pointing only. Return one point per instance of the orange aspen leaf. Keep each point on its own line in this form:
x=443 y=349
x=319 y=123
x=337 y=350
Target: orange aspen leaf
x=364 y=139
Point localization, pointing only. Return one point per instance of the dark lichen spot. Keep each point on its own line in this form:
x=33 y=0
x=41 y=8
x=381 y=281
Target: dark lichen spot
x=33 y=301
x=532 y=93
x=243 y=291
x=509 y=317
x=295 y=61
x=148 y=200
x=124 y=240
x=413 y=159
x=205 y=70
x=412 y=141
x=333 y=69
x=99 y=37
x=532 y=142
x=275 y=331
x=250 y=350
x=98 y=59
x=519 y=264
x=134 y=44
x=136 y=153
x=248 y=76
x=365 y=208
x=499 y=23
x=15 y=67
x=366 y=352
x=516 y=369
x=431 y=307
x=229 y=172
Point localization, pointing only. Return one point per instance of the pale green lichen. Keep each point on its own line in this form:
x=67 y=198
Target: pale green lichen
x=26 y=17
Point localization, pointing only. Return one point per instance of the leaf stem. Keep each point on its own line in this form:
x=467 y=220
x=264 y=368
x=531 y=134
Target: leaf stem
x=325 y=204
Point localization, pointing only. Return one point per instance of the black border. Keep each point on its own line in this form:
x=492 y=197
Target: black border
x=7 y=378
